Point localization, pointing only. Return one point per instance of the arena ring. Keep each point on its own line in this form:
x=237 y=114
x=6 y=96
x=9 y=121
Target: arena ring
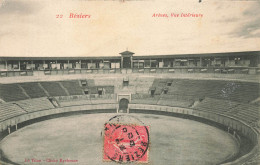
x=220 y=121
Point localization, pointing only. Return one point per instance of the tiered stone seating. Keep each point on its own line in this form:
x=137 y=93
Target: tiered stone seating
x=72 y=87
x=246 y=112
x=159 y=84
x=236 y=91
x=149 y=100
x=93 y=90
x=175 y=103
x=53 y=88
x=90 y=82
x=103 y=101
x=141 y=84
x=144 y=99
x=11 y=92
x=9 y=110
x=74 y=102
x=227 y=90
x=171 y=100
x=161 y=100
x=38 y=104
x=95 y=99
x=195 y=88
x=109 y=89
x=216 y=106
x=106 y=89
x=33 y=89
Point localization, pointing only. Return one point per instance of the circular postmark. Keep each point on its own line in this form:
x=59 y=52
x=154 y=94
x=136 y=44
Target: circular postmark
x=126 y=139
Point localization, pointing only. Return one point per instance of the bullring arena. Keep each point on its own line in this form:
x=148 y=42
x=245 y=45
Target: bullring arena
x=196 y=114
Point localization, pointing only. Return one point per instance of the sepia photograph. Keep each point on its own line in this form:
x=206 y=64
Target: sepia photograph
x=107 y=82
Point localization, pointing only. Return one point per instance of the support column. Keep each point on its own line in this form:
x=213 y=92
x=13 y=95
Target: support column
x=131 y=61
x=6 y=65
x=162 y=63
x=32 y=65
x=243 y=60
x=215 y=60
x=122 y=63
x=43 y=64
x=19 y=65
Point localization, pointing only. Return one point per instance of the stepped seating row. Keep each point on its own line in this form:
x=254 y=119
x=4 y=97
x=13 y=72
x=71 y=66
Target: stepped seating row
x=238 y=91
x=142 y=96
x=32 y=105
x=109 y=89
x=93 y=90
x=105 y=89
x=9 y=110
x=246 y=119
x=90 y=82
x=151 y=100
x=161 y=100
x=175 y=102
x=215 y=105
x=246 y=112
x=53 y=88
x=73 y=87
x=74 y=102
x=12 y=109
x=177 y=97
x=88 y=101
x=11 y=92
x=142 y=84
x=23 y=91
x=219 y=89
x=33 y=89
x=103 y=101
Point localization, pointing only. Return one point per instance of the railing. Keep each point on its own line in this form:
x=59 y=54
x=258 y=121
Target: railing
x=182 y=70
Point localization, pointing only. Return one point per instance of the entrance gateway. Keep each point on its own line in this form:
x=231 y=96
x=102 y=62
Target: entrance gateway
x=123 y=101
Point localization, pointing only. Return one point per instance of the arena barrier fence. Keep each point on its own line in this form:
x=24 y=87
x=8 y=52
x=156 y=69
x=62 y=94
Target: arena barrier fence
x=230 y=122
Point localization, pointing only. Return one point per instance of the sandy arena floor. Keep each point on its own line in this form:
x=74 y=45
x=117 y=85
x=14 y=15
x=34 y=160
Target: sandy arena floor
x=172 y=141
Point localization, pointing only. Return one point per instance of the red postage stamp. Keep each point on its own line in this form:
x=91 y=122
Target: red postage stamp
x=126 y=143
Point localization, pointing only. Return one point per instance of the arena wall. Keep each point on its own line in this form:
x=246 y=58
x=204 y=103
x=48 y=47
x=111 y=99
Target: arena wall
x=249 y=132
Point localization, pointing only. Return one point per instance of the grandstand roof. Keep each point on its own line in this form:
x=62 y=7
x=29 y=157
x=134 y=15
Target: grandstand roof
x=255 y=53
x=249 y=53
x=57 y=58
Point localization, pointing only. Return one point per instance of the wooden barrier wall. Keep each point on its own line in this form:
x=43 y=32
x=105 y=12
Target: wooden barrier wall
x=233 y=123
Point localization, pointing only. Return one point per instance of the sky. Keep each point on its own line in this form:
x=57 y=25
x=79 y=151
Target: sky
x=29 y=28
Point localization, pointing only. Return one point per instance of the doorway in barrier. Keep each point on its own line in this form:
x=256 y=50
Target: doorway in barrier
x=123 y=101
x=123 y=105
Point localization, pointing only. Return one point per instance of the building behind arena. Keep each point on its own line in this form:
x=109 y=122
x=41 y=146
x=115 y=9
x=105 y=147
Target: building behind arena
x=219 y=89
x=231 y=62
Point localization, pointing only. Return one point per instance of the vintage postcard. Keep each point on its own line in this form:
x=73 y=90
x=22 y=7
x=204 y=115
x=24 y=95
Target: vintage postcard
x=106 y=82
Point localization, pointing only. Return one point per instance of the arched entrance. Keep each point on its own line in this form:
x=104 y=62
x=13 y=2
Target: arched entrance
x=123 y=105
